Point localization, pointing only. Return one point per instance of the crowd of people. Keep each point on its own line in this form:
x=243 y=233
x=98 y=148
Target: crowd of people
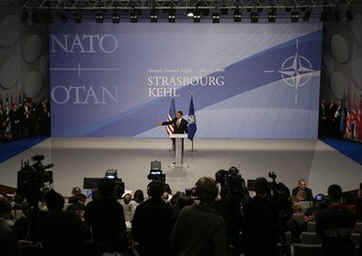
x=24 y=120
x=339 y=120
x=201 y=221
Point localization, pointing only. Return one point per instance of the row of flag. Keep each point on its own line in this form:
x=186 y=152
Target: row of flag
x=191 y=128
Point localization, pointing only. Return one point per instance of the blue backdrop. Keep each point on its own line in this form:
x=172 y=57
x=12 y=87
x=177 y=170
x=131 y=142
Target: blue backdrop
x=248 y=81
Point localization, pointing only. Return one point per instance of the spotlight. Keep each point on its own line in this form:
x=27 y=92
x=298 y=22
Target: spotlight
x=307 y=15
x=133 y=16
x=294 y=16
x=254 y=17
x=172 y=15
x=272 y=16
x=237 y=15
x=116 y=17
x=215 y=17
x=196 y=17
x=189 y=13
x=99 y=17
x=153 y=16
x=349 y=15
x=77 y=17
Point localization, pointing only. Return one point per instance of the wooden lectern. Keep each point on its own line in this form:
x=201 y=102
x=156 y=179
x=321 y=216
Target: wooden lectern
x=179 y=149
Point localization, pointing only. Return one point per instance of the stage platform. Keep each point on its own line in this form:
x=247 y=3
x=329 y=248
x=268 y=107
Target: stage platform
x=76 y=158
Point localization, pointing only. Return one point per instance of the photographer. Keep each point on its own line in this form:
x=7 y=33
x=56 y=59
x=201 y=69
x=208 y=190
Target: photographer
x=234 y=197
x=261 y=223
x=105 y=217
x=152 y=222
x=7 y=236
x=199 y=229
x=59 y=228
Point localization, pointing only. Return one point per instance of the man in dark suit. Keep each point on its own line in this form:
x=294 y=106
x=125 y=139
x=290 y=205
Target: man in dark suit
x=302 y=192
x=179 y=126
x=178 y=123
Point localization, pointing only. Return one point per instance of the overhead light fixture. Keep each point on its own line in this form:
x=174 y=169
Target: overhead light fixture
x=189 y=13
x=99 y=17
x=307 y=14
x=196 y=18
x=272 y=15
x=237 y=15
x=216 y=17
x=224 y=10
x=133 y=17
x=63 y=17
x=254 y=17
x=116 y=17
x=294 y=16
x=77 y=16
x=325 y=15
x=172 y=15
x=153 y=16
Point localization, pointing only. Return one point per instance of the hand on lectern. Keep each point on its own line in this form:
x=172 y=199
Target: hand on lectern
x=159 y=123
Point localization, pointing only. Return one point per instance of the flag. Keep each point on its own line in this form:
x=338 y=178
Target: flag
x=191 y=128
x=171 y=115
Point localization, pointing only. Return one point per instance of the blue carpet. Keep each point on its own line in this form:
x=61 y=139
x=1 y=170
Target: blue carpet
x=11 y=149
x=352 y=150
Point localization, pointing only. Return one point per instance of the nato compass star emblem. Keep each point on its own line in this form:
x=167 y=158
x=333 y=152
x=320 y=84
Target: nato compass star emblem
x=296 y=71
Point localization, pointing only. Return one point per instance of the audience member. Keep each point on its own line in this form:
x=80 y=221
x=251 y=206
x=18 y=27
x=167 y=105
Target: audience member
x=129 y=208
x=7 y=235
x=106 y=218
x=261 y=223
x=199 y=229
x=302 y=192
x=61 y=233
x=335 y=225
x=152 y=223
x=138 y=196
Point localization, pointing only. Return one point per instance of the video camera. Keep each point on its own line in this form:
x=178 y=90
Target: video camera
x=33 y=180
x=110 y=176
x=232 y=183
x=156 y=173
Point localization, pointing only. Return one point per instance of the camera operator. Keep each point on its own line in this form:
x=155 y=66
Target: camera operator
x=233 y=198
x=152 y=222
x=60 y=232
x=335 y=225
x=199 y=229
x=261 y=228
x=7 y=235
x=106 y=218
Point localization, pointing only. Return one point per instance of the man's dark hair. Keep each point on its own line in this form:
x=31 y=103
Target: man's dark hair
x=54 y=201
x=206 y=189
x=334 y=192
x=180 y=112
x=155 y=189
x=261 y=186
x=138 y=196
